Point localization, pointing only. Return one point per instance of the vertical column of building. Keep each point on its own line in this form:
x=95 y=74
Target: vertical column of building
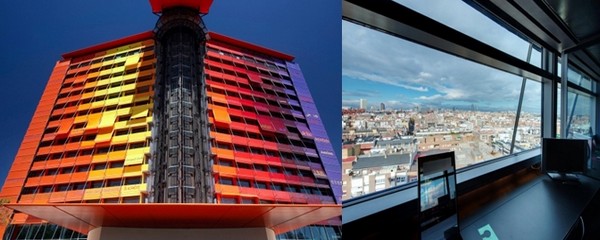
x=182 y=167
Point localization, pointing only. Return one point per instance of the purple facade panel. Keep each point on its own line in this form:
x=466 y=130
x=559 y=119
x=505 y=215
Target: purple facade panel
x=329 y=161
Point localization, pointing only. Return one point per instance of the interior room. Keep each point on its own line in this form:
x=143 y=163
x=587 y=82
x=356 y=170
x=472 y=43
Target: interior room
x=514 y=75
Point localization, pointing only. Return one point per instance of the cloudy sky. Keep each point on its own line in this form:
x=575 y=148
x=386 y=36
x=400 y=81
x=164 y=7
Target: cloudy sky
x=402 y=74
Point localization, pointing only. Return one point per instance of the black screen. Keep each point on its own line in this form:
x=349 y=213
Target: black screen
x=564 y=155
x=437 y=196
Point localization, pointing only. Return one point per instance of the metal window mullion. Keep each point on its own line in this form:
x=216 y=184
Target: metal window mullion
x=549 y=94
x=564 y=94
x=520 y=105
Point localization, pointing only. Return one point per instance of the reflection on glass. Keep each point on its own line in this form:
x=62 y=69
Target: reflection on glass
x=438 y=216
x=431 y=191
x=580 y=110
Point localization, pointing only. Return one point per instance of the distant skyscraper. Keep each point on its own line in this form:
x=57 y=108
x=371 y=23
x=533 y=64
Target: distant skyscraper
x=363 y=104
x=382 y=107
x=174 y=115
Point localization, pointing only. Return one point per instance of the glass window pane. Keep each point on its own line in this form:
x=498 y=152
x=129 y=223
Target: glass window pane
x=460 y=16
x=432 y=100
x=580 y=115
x=579 y=79
x=529 y=130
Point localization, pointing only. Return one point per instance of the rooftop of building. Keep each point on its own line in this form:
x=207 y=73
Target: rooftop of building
x=383 y=160
x=202 y=6
x=212 y=36
x=392 y=142
x=349 y=159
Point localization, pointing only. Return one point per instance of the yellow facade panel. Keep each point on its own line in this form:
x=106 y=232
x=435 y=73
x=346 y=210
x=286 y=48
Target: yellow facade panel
x=97 y=104
x=126 y=100
x=110 y=102
x=116 y=79
x=121 y=125
x=137 y=137
x=137 y=122
x=130 y=76
x=93 y=120
x=130 y=190
x=118 y=155
x=108 y=119
x=105 y=72
x=139 y=97
x=104 y=135
x=134 y=59
x=119 y=139
x=128 y=87
x=103 y=82
x=114 y=173
x=92 y=193
x=118 y=69
x=99 y=158
x=139 y=111
x=134 y=156
x=80 y=119
x=114 y=90
x=99 y=93
x=84 y=106
x=87 y=95
x=145 y=168
x=96 y=65
x=96 y=175
x=111 y=192
x=133 y=170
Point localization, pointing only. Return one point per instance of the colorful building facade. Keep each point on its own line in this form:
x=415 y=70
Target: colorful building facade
x=132 y=121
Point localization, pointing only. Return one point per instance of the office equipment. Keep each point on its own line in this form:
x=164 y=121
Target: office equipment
x=562 y=159
x=438 y=215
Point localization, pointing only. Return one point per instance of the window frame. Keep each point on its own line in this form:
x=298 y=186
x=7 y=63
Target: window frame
x=399 y=21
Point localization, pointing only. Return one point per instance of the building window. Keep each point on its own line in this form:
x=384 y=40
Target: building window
x=443 y=109
x=133 y=180
x=228 y=200
x=244 y=183
x=226 y=181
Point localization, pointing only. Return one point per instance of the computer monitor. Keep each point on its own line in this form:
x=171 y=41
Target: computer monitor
x=438 y=215
x=562 y=159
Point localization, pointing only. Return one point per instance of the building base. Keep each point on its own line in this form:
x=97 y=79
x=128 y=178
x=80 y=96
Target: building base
x=112 y=233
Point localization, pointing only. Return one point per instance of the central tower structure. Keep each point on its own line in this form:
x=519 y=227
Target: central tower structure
x=181 y=167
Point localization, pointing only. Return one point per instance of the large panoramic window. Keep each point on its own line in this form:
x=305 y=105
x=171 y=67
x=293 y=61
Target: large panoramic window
x=401 y=99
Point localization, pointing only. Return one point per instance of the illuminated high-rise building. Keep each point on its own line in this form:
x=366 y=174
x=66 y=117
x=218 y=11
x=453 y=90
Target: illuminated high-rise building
x=174 y=115
x=362 y=104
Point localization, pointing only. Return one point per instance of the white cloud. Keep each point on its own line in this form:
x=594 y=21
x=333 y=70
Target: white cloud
x=373 y=56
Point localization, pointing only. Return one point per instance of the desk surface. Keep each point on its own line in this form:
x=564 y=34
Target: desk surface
x=541 y=209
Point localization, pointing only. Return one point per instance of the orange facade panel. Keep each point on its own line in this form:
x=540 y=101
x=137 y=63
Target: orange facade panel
x=34 y=133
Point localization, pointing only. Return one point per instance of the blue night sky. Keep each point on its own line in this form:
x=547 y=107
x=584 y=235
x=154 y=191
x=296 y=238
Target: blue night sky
x=36 y=33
